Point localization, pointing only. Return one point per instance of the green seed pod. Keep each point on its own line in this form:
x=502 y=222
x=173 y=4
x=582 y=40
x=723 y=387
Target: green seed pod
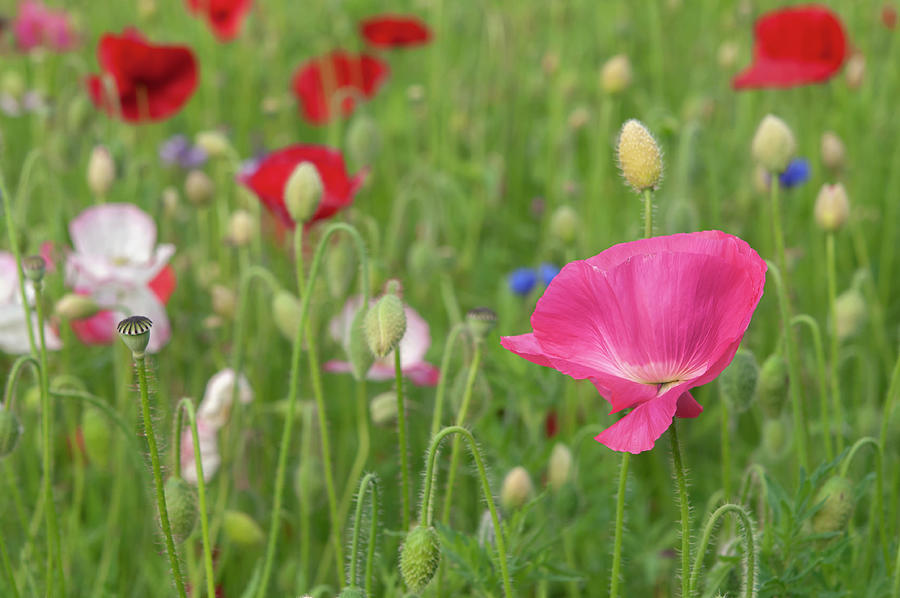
x=358 y=351
x=363 y=140
x=181 y=504
x=385 y=324
x=517 y=489
x=773 y=383
x=838 y=507
x=34 y=268
x=135 y=333
x=352 y=592
x=419 y=557
x=286 y=312
x=242 y=529
x=738 y=381
x=10 y=430
x=481 y=321
x=96 y=432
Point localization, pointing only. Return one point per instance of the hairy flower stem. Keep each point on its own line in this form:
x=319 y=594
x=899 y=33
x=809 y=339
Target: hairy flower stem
x=363 y=442
x=820 y=369
x=442 y=380
x=685 y=510
x=876 y=512
x=370 y=483
x=141 y=367
x=648 y=213
x=620 y=519
x=832 y=297
x=293 y=392
x=751 y=551
x=401 y=433
x=426 y=511
x=460 y=420
x=186 y=405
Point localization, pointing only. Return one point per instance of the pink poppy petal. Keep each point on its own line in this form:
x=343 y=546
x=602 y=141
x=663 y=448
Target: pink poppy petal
x=337 y=367
x=422 y=374
x=687 y=406
x=116 y=231
x=638 y=431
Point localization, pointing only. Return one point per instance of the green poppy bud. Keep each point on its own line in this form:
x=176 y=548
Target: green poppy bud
x=363 y=140
x=776 y=438
x=96 y=432
x=383 y=408
x=517 y=489
x=564 y=224
x=199 y=188
x=101 y=171
x=738 y=381
x=286 y=313
x=242 y=529
x=419 y=557
x=303 y=192
x=773 y=383
x=385 y=324
x=559 y=467
x=73 y=306
x=640 y=158
x=340 y=264
x=359 y=353
x=773 y=144
x=837 y=508
x=10 y=430
x=181 y=504
x=850 y=312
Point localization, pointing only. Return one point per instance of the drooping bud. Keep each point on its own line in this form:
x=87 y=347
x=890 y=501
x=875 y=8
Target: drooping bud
x=773 y=383
x=419 y=557
x=773 y=144
x=242 y=529
x=358 y=352
x=383 y=408
x=832 y=207
x=834 y=155
x=481 y=321
x=363 y=140
x=101 y=171
x=224 y=301
x=559 y=467
x=214 y=143
x=564 y=224
x=135 y=333
x=241 y=228
x=10 y=430
x=517 y=489
x=850 y=312
x=639 y=156
x=199 y=188
x=96 y=433
x=73 y=306
x=303 y=192
x=738 y=381
x=385 y=324
x=181 y=504
x=286 y=313
x=34 y=268
x=615 y=76
x=837 y=509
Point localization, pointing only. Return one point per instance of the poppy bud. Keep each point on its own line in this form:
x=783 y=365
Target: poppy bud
x=559 y=467
x=579 y=117
x=834 y=155
x=214 y=143
x=358 y=351
x=286 y=312
x=776 y=438
x=773 y=144
x=419 y=557
x=170 y=201
x=199 y=188
x=96 y=432
x=73 y=306
x=615 y=76
x=10 y=430
x=850 y=312
x=34 y=268
x=241 y=228
x=855 y=71
x=564 y=224
x=303 y=192
x=181 y=505
x=352 y=592
x=640 y=159
x=481 y=321
x=517 y=489
x=385 y=324
x=728 y=54
x=832 y=207
x=340 y=264
x=383 y=408
x=135 y=333
x=101 y=171
x=773 y=383
x=837 y=508
x=738 y=381
x=363 y=140
x=242 y=529
x=224 y=301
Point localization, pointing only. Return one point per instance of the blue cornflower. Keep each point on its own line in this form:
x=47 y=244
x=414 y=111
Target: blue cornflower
x=548 y=272
x=522 y=280
x=178 y=151
x=796 y=173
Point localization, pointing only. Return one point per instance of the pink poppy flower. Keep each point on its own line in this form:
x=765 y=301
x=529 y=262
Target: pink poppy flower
x=215 y=408
x=645 y=322
x=117 y=262
x=209 y=452
x=13 y=326
x=352 y=78
x=413 y=347
x=36 y=25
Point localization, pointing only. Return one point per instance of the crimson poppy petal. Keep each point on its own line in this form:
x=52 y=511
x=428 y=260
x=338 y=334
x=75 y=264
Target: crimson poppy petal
x=395 y=31
x=339 y=76
x=225 y=17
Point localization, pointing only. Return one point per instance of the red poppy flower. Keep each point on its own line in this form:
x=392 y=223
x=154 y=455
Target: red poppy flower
x=151 y=82
x=337 y=76
x=395 y=31
x=270 y=176
x=795 y=46
x=889 y=16
x=225 y=17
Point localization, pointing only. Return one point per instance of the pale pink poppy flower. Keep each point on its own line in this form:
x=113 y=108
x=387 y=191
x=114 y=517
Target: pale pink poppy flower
x=13 y=327
x=215 y=408
x=209 y=452
x=36 y=25
x=413 y=347
x=645 y=322
x=117 y=261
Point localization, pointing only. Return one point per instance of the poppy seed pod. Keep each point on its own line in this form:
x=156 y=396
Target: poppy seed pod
x=834 y=154
x=101 y=171
x=773 y=144
x=481 y=321
x=419 y=557
x=385 y=325
x=181 y=505
x=242 y=529
x=135 y=333
x=850 y=312
x=738 y=381
x=73 y=306
x=303 y=192
x=559 y=467
x=832 y=207
x=10 y=430
x=615 y=76
x=773 y=383
x=564 y=224
x=286 y=312
x=34 y=268
x=241 y=228
x=837 y=508
x=199 y=188
x=517 y=489
x=639 y=156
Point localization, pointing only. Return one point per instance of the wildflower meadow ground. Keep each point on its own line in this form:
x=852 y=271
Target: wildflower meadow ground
x=430 y=298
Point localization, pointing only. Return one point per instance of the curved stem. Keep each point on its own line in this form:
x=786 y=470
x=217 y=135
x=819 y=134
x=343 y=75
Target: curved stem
x=141 y=367
x=620 y=526
x=820 y=369
x=751 y=560
x=369 y=482
x=685 y=510
x=107 y=411
x=425 y=512
x=9 y=395
x=442 y=380
x=879 y=487
x=835 y=341
x=401 y=433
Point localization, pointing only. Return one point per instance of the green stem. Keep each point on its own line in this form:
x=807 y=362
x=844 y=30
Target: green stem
x=685 y=510
x=141 y=367
x=7 y=567
x=879 y=488
x=363 y=442
x=442 y=380
x=620 y=520
x=892 y=394
x=9 y=395
x=460 y=420
x=293 y=389
x=780 y=254
x=648 y=213
x=820 y=368
x=425 y=512
x=832 y=297
x=748 y=534
x=401 y=432
x=369 y=482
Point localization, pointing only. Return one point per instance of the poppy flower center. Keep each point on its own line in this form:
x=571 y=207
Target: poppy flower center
x=663 y=375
